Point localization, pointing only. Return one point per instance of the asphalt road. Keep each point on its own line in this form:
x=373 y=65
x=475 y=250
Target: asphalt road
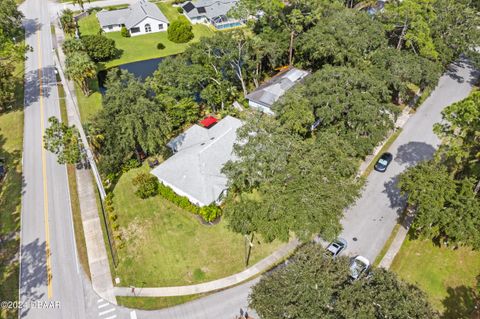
x=368 y=224
x=46 y=223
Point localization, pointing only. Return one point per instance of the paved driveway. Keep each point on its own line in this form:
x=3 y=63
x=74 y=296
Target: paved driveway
x=368 y=224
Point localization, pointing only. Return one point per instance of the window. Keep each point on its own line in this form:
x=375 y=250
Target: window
x=148 y=28
x=134 y=30
x=160 y=27
x=110 y=27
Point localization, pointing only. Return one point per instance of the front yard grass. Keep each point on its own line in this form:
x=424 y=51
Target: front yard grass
x=143 y=47
x=447 y=276
x=167 y=246
x=90 y=105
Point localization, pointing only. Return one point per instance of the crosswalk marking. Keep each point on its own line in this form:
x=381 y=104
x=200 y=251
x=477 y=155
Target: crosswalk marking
x=99 y=300
x=106 y=311
x=111 y=317
x=103 y=305
x=133 y=315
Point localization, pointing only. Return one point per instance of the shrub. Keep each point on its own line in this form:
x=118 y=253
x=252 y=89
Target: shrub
x=147 y=185
x=180 y=31
x=180 y=9
x=160 y=46
x=124 y=32
x=131 y=164
x=208 y=213
x=99 y=47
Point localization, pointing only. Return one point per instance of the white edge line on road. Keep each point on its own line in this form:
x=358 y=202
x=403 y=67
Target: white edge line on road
x=106 y=311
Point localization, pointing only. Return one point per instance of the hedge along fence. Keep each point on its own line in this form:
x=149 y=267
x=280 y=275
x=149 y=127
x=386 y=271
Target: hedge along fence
x=208 y=213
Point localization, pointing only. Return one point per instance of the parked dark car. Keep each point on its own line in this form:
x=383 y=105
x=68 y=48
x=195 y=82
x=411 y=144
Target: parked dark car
x=383 y=162
x=3 y=169
x=336 y=247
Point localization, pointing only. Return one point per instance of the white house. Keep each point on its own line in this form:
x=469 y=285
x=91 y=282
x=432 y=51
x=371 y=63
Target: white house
x=214 y=12
x=195 y=169
x=140 y=18
x=269 y=92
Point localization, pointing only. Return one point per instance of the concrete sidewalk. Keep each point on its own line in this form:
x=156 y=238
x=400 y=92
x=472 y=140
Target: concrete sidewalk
x=397 y=242
x=257 y=269
x=97 y=254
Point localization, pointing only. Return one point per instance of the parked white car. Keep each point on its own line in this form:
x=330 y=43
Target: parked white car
x=358 y=266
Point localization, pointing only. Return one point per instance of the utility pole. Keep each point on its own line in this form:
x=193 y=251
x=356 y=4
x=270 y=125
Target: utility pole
x=248 y=248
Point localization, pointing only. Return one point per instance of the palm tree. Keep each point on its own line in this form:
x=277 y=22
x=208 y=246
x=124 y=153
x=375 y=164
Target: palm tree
x=80 y=68
x=67 y=21
x=80 y=3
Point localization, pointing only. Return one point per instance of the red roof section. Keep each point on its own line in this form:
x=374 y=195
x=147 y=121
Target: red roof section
x=208 y=121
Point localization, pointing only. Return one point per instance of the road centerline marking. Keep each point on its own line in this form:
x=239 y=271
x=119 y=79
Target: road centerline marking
x=44 y=167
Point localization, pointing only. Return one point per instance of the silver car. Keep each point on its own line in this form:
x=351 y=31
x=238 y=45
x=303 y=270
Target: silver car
x=358 y=266
x=336 y=247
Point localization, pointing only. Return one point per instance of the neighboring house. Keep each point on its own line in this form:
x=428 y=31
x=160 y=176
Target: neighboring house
x=214 y=12
x=269 y=92
x=195 y=168
x=140 y=18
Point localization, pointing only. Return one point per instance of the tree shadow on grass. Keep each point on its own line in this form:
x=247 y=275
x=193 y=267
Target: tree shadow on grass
x=461 y=302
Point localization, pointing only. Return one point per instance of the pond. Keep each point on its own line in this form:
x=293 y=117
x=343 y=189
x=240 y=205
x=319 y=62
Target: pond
x=141 y=69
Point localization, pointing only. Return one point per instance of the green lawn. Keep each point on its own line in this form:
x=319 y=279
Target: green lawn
x=167 y=246
x=89 y=105
x=169 y=11
x=447 y=276
x=143 y=47
x=11 y=137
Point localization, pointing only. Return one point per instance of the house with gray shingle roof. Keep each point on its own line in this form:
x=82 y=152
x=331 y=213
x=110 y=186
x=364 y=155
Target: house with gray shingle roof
x=140 y=18
x=195 y=168
x=214 y=12
x=269 y=92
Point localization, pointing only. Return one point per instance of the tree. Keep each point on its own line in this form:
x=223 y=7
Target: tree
x=455 y=29
x=275 y=189
x=99 y=47
x=180 y=31
x=7 y=86
x=460 y=130
x=351 y=102
x=400 y=69
x=68 y=22
x=409 y=25
x=185 y=111
x=80 y=68
x=147 y=185
x=447 y=210
x=383 y=295
x=314 y=285
x=72 y=45
x=80 y=3
x=64 y=141
x=129 y=120
x=347 y=37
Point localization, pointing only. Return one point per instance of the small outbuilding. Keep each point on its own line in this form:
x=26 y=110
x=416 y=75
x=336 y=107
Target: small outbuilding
x=269 y=92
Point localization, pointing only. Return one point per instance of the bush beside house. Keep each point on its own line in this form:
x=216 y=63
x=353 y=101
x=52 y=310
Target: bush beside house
x=124 y=32
x=180 y=31
x=99 y=47
x=208 y=213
